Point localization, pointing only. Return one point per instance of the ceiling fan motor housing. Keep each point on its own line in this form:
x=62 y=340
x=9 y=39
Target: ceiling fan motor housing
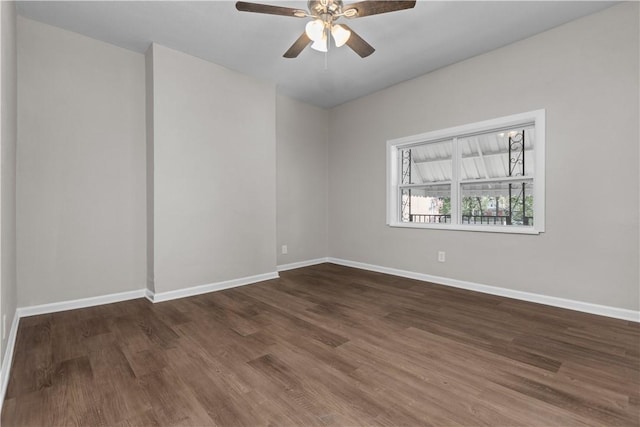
x=321 y=7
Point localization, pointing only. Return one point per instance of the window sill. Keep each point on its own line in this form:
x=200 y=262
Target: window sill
x=475 y=228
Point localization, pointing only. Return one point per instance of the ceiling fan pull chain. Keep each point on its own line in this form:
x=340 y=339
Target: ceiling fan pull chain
x=326 y=54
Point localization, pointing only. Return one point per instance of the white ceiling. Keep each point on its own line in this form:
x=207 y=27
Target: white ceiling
x=408 y=43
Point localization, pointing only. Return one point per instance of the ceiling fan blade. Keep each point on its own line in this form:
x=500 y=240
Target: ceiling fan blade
x=244 y=6
x=358 y=44
x=375 y=7
x=298 y=46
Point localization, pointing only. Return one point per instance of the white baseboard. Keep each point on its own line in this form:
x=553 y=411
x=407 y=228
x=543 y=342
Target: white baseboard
x=79 y=303
x=211 y=287
x=8 y=358
x=602 y=310
x=35 y=310
x=307 y=263
x=148 y=294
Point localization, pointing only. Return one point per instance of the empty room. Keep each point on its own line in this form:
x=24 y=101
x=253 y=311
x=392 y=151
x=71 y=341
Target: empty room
x=320 y=213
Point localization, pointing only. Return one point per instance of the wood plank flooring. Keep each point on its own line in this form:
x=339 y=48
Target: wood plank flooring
x=326 y=346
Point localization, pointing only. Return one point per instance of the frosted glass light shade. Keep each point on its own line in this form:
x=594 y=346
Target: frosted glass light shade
x=340 y=34
x=321 y=44
x=315 y=29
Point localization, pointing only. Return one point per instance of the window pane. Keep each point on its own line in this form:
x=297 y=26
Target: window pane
x=497 y=154
x=430 y=205
x=497 y=203
x=426 y=163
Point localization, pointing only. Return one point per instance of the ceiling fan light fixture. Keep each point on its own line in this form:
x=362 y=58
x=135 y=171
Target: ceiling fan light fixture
x=315 y=30
x=340 y=34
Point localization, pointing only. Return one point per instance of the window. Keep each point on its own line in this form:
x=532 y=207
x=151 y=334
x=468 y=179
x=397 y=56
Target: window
x=486 y=176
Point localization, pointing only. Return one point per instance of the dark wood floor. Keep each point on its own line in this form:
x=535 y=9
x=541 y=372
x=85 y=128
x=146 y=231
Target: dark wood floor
x=325 y=345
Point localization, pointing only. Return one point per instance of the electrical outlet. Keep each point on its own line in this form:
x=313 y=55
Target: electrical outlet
x=285 y=250
x=441 y=256
x=4 y=326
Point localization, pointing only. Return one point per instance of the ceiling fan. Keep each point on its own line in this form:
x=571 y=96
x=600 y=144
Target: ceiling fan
x=325 y=13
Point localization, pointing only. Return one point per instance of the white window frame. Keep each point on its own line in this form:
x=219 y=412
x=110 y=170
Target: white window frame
x=535 y=118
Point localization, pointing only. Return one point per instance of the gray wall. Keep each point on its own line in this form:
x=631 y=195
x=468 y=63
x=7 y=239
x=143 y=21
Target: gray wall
x=302 y=178
x=8 y=135
x=585 y=74
x=214 y=173
x=81 y=166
